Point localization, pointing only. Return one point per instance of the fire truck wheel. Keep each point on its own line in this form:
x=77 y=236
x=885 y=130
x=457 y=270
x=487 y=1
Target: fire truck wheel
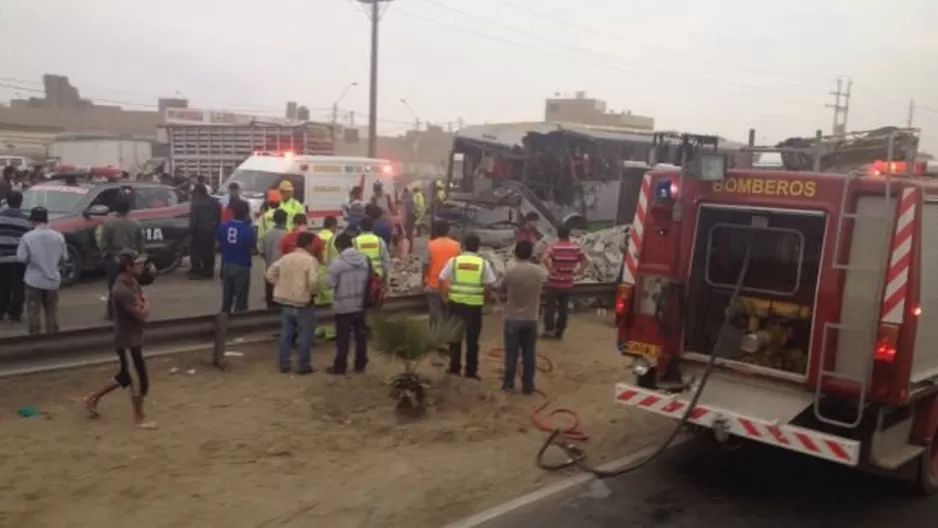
x=926 y=480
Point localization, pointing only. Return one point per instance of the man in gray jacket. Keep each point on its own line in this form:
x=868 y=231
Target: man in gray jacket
x=349 y=273
x=269 y=247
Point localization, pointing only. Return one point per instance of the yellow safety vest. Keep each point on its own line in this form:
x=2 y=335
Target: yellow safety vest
x=264 y=224
x=328 y=237
x=292 y=207
x=466 y=282
x=420 y=206
x=370 y=245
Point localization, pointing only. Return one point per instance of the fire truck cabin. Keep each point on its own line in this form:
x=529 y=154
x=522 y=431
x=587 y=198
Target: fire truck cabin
x=815 y=293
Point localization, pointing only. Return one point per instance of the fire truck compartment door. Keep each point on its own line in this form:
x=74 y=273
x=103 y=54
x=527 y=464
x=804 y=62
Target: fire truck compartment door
x=750 y=396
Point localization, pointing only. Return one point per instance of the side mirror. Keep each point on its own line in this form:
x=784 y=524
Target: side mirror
x=97 y=210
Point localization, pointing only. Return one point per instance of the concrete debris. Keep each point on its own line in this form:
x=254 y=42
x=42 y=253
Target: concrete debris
x=604 y=248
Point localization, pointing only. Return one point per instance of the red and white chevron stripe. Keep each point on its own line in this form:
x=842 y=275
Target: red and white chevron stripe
x=897 y=275
x=637 y=232
x=794 y=438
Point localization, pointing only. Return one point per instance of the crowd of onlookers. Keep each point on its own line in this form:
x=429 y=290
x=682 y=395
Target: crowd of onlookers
x=346 y=270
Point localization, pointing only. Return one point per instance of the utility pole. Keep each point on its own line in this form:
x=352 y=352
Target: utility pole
x=335 y=106
x=841 y=107
x=911 y=112
x=375 y=16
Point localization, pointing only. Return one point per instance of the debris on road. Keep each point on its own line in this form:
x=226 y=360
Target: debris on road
x=604 y=248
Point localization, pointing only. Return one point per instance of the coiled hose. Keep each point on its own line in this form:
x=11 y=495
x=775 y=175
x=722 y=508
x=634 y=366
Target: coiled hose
x=577 y=457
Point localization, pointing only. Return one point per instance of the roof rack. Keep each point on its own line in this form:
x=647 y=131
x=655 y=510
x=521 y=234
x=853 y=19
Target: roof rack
x=843 y=152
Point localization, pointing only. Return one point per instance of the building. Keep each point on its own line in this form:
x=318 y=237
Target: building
x=62 y=108
x=585 y=110
x=419 y=151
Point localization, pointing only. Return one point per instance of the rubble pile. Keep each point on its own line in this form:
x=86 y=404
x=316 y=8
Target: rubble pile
x=604 y=249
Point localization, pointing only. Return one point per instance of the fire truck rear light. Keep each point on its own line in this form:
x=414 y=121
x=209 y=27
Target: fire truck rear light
x=886 y=340
x=917 y=311
x=623 y=296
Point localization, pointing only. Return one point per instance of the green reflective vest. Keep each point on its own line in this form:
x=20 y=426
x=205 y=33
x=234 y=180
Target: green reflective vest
x=325 y=295
x=466 y=286
x=370 y=245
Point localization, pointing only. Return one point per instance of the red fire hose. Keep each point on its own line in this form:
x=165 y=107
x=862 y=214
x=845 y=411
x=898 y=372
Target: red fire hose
x=545 y=422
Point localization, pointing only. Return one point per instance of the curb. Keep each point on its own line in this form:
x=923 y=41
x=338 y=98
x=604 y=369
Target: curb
x=105 y=358
x=556 y=488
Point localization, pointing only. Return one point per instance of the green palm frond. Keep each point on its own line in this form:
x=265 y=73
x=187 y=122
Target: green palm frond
x=411 y=339
x=443 y=332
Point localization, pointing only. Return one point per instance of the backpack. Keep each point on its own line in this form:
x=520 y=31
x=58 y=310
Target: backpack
x=374 y=289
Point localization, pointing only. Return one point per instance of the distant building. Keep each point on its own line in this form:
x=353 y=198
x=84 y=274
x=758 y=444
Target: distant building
x=588 y=111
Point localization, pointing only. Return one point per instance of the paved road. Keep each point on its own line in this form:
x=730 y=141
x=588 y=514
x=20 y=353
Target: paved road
x=83 y=305
x=699 y=485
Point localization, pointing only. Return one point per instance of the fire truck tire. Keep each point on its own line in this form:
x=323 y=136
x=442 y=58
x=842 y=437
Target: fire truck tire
x=926 y=478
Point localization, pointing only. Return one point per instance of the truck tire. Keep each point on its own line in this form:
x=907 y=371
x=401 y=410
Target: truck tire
x=71 y=269
x=926 y=477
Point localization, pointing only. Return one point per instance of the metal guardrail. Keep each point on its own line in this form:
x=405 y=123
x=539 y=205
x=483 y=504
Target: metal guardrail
x=81 y=342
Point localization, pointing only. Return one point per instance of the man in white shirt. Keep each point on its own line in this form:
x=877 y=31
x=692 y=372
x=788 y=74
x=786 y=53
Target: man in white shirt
x=465 y=281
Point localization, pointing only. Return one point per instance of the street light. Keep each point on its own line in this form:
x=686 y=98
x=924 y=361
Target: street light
x=335 y=105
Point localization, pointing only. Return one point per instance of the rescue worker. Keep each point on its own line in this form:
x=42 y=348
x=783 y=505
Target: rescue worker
x=325 y=295
x=288 y=203
x=373 y=247
x=439 y=198
x=464 y=282
x=420 y=208
x=271 y=205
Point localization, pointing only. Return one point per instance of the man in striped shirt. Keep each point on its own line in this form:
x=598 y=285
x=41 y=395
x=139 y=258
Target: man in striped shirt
x=14 y=223
x=564 y=260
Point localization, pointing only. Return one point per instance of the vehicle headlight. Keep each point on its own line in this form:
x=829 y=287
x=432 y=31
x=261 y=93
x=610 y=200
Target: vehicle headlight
x=641 y=366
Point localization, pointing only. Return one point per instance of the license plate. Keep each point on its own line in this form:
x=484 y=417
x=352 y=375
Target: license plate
x=643 y=349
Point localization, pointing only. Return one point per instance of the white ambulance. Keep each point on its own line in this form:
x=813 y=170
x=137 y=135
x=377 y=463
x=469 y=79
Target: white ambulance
x=322 y=183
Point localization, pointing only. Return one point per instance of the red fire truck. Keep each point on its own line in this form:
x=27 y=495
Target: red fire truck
x=792 y=307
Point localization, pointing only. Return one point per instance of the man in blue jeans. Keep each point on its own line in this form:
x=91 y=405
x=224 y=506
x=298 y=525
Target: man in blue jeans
x=237 y=239
x=295 y=278
x=521 y=287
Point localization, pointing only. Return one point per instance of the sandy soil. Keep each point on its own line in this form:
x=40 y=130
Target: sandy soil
x=255 y=448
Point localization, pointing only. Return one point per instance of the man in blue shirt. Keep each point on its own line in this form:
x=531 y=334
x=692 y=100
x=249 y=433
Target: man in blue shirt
x=382 y=226
x=237 y=240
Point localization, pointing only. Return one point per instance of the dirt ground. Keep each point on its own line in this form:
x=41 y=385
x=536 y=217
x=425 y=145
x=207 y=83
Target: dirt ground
x=255 y=448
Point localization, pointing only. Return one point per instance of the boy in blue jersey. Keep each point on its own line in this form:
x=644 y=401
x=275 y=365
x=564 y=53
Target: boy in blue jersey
x=237 y=240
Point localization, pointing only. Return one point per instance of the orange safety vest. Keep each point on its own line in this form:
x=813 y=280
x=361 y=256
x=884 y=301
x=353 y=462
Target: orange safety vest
x=441 y=250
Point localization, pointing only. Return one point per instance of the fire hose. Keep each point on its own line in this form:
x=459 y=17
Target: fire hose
x=572 y=432
x=577 y=457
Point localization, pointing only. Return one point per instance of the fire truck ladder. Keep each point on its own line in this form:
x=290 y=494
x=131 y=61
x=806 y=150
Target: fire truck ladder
x=877 y=271
x=830 y=153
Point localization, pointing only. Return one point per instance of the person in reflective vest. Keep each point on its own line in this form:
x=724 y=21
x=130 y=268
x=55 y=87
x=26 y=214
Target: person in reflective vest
x=288 y=203
x=464 y=282
x=325 y=295
x=266 y=221
x=373 y=247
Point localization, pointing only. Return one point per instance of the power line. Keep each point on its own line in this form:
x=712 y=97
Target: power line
x=618 y=60
x=652 y=47
x=581 y=60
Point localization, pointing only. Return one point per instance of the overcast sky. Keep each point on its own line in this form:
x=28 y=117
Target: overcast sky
x=720 y=66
